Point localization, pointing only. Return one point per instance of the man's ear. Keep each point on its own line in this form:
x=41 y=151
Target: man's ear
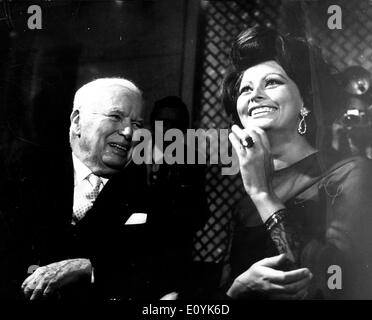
x=75 y=122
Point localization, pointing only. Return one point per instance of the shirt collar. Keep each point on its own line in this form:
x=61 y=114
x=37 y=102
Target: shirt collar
x=81 y=171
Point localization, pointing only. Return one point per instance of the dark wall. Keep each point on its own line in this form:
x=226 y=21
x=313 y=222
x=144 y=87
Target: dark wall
x=141 y=40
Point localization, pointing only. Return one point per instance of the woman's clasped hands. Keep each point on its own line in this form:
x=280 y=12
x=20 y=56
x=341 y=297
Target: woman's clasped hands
x=262 y=278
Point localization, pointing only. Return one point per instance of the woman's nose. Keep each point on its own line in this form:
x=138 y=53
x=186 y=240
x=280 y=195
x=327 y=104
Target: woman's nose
x=257 y=94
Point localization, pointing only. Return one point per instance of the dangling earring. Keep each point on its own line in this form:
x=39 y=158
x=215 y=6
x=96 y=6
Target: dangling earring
x=302 y=127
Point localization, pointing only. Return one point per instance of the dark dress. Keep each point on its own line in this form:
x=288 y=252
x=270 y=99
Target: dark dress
x=331 y=206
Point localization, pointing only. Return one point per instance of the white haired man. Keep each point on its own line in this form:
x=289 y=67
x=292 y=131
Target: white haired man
x=81 y=238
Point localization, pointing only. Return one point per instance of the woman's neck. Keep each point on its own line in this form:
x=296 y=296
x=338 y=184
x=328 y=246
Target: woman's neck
x=288 y=151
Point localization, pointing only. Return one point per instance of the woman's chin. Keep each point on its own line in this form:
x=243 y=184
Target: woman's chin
x=263 y=123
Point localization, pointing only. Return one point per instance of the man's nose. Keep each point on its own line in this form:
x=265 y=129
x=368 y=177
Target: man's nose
x=126 y=130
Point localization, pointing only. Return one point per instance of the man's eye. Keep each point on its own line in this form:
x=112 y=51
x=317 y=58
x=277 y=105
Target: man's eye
x=137 y=124
x=245 y=89
x=115 y=117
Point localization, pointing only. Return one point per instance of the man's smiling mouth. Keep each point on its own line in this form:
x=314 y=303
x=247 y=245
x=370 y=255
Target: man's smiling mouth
x=119 y=147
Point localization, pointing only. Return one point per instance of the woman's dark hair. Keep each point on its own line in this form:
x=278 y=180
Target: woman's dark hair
x=301 y=61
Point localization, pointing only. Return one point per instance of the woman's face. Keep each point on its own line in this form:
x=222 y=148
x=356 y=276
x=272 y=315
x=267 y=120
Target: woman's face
x=268 y=98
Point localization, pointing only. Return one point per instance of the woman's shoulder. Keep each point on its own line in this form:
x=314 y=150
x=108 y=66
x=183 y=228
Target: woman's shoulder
x=352 y=163
x=354 y=166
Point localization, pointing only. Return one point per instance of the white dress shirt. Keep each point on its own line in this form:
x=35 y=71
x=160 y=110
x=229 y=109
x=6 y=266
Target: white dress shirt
x=81 y=171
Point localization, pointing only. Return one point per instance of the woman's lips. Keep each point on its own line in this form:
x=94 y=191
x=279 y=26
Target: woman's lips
x=259 y=111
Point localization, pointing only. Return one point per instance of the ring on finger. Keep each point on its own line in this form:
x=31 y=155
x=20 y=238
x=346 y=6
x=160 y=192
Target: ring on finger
x=247 y=142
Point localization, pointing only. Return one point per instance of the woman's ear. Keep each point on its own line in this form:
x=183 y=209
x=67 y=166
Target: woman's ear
x=75 y=122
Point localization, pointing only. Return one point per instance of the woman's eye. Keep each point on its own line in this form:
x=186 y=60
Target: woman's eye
x=245 y=89
x=273 y=82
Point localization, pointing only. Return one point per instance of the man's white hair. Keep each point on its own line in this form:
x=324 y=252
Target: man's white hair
x=88 y=91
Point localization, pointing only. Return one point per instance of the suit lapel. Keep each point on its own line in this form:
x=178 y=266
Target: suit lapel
x=113 y=201
x=63 y=198
x=122 y=195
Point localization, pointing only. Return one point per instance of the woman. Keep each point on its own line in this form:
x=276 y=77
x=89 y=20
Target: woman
x=314 y=212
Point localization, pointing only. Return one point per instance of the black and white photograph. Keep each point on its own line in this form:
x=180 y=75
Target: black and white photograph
x=194 y=151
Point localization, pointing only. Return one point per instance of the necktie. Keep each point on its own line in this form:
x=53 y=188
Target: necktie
x=91 y=187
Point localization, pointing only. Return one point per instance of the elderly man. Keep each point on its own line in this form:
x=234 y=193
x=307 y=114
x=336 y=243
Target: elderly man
x=81 y=242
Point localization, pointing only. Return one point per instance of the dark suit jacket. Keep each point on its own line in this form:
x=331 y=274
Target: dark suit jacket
x=36 y=211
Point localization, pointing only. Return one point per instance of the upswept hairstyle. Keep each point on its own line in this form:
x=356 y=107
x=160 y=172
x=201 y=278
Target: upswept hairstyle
x=301 y=61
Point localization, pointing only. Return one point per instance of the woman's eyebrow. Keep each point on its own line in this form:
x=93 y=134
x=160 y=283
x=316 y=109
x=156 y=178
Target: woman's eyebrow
x=249 y=82
x=276 y=74
x=245 y=83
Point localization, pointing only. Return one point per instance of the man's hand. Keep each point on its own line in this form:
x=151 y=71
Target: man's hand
x=47 y=279
x=170 y=296
x=261 y=277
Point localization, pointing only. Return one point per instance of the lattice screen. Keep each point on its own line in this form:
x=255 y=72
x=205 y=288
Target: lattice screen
x=352 y=45
x=222 y=21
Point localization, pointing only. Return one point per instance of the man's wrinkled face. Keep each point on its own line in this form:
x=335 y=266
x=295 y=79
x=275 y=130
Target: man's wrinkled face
x=105 y=129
